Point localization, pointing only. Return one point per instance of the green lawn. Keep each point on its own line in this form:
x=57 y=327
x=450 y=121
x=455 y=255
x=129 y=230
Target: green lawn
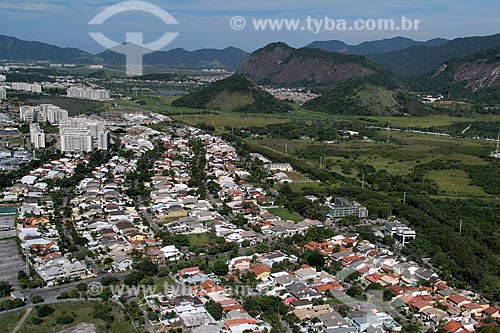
x=199 y=240
x=161 y=283
x=285 y=214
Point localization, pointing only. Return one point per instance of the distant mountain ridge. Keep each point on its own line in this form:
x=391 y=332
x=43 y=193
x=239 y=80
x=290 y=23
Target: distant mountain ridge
x=229 y=58
x=13 y=49
x=279 y=63
x=420 y=59
x=377 y=46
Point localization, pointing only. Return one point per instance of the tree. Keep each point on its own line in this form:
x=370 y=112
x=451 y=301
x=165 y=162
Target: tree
x=109 y=280
x=354 y=291
x=44 y=311
x=35 y=299
x=220 y=268
x=146 y=266
x=5 y=288
x=315 y=259
x=215 y=309
x=133 y=278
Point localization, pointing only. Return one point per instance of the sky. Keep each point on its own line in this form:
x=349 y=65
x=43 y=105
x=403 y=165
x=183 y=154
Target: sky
x=206 y=23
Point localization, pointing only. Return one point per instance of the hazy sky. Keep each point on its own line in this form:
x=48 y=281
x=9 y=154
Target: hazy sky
x=206 y=23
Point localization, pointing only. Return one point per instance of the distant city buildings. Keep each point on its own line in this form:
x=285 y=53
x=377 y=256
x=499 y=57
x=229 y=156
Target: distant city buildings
x=28 y=87
x=37 y=136
x=82 y=135
x=87 y=93
x=341 y=207
x=2 y=78
x=42 y=113
x=402 y=234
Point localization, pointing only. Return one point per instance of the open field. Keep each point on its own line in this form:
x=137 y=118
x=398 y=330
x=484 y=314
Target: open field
x=10 y=320
x=226 y=120
x=425 y=121
x=455 y=182
x=81 y=313
x=399 y=157
x=285 y=214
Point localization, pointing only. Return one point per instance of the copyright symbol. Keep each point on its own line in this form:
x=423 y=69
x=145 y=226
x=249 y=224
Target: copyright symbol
x=238 y=23
x=94 y=289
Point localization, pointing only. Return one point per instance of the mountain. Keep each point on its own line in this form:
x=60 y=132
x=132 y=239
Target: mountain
x=235 y=93
x=420 y=59
x=15 y=49
x=278 y=63
x=358 y=98
x=12 y=48
x=229 y=58
x=377 y=46
x=478 y=71
x=475 y=77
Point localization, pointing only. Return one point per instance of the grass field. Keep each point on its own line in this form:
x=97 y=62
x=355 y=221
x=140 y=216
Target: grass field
x=285 y=214
x=10 y=320
x=399 y=157
x=198 y=240
x=455 y=182
x=80 y=312
x=226 y=120
x=298 y=177
x=161 y=283
x=426 y=121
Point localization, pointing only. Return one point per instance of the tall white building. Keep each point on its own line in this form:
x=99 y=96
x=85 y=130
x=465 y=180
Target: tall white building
x=2 y=78
x=76 y=139
x=37 y=136
x=43 y=113
x=87 y=93
x=82 y=134
x=103 y=140
x=54 y=114
x=28 y=87
x=3 y=94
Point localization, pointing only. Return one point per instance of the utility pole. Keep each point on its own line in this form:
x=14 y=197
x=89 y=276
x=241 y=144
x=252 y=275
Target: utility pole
x=363 y=181
x=388 y=133
x=321 y=162
x=286 y=148
x=461 y=227
x=404 y=197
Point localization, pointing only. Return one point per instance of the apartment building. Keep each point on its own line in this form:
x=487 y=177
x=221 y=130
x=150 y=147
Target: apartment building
x=37 y=136
x=87 y=93
x=342 y=207
x=401 y=233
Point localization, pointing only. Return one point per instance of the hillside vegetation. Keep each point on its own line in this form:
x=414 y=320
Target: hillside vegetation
x=235 y=93
x=365 y=99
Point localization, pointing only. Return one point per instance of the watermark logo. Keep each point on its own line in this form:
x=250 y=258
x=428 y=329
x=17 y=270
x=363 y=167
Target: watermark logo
x=316 y=25
x=134 y=48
